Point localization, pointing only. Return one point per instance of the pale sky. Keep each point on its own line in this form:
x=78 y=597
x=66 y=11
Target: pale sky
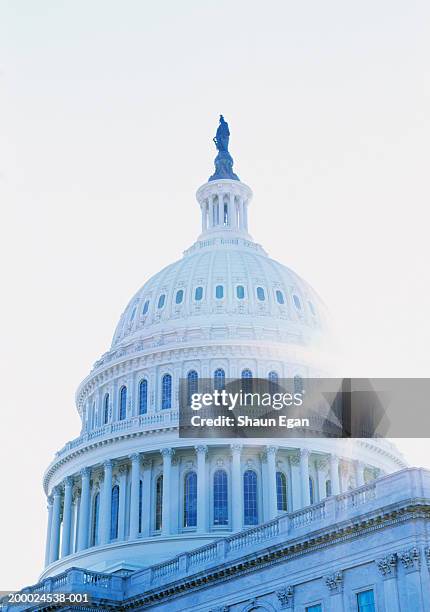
x=107 y=114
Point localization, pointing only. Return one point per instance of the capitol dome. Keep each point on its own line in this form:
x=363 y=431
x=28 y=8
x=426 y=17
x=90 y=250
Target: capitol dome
x=128 y=491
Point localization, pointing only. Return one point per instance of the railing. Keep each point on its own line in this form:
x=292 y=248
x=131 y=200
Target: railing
x=255 y=535
x=166 y=418
x=306 y=516
x=357 y=497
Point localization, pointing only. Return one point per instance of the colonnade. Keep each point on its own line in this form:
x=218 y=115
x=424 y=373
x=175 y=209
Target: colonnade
x=77 y=521
x=213 y=211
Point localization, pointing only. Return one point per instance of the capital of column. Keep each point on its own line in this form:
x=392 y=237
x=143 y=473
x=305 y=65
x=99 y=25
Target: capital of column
x=410 y=559
x=321 y=464
x=167 y=452
x=57 y=491
x=271 y=450
x=334 y=582
x=201 y=449
x=147 y=464
x=50 y=500
x=134 y=457
x=304 y=453
x=108 y=464
x=69 y=481
x=294 y=459
x=123 y=469
x=236 y=448
x=85 y=472
x=387 y=566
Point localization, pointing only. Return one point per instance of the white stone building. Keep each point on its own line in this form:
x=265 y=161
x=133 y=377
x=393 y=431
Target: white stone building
x=141 y=518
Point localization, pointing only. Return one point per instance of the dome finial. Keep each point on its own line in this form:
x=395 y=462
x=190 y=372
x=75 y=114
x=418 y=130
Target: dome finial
x=223 y=161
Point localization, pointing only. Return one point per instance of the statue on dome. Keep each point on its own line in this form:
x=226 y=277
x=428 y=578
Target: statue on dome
x=222 y=135
x=223 y=161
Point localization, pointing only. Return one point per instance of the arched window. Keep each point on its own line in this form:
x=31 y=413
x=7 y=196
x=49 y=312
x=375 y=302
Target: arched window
x=225 y=213
x=198 y=294
x=106 y=409
x=273 y=381
x=281 y=492
x=133 y=314
x=280 y=297
x=192 y=385
x=114 y=513
x=219 y=292
x=219 y=379
x=159 y=503
x=298 y=384
x=246 y=383
x=143 y=396
x=145 y=307
x=240 y=292
x=220 y=498
x=179 y=296
x=95 y=524
x=311 y=490
x=190 y=500
x=250 y=511
x=328 y=488
x=166 y=392
x=140 y=505
x=261 y=294
x=161 y=300
x=297 y=302
x=123 y=403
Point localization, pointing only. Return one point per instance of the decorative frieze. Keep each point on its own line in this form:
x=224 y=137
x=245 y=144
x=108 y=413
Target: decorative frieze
x=387 y=566
x=410 y=559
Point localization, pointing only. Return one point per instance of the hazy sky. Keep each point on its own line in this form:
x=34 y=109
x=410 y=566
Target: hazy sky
x=107 y=113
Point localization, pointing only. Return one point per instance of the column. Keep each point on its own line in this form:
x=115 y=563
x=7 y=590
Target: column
x=334 y=474
x=241 y=213
x=236 y=487
x=304 y=476
x=167 y=454
x=202 y=494
x=106 y=503
x=146 y=496
x=55 y=526
x=204 y=208
x=121 y=507
x=359 y=473
x=245 y=215
x=233 y=216
x=334 y=583
x=296 y=482
x=411 y=561
x=271 y=477
x=321 y=466
x=387 y=567
x=134 y=496
x=48 y=529
x=67 y=516
x=84 y=510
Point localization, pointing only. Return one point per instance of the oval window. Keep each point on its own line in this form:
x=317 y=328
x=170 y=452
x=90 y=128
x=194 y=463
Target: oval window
x=198 y=294
x=297 y=302
x=240 y=292
x=260 y=294
x=219 y=292
x=145 y=307
x=161 y=300
x=279 y=297
x=179 y=296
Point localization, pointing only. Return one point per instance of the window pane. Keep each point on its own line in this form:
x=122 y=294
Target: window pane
x=106 y=409
x=192 y=385
x=161 y=300
x=328 y=488
x=279 y=297
x=250 y=498
x=198 y=294
x=260 y=294
x=114 y=513
x=143 y=396
x=281 y=491
x=219 y=379
x=95 y=525
x=316 y=608
x=145 y=307
x=190 y=500
x=159 y=503
x=123 y=403
x=220 y=498
x=219 y=292
x=179 y=296
x=311 y=490
x=297 y=302
x=166 y=392
x=240 y=292
x=366 y=601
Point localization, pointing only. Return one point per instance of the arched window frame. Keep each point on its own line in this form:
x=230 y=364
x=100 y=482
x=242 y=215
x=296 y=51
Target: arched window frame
x=246 y=380
x=199 y=293
x=143 y=396
x=328 y=489
x=114 y=514
x=161 y=301
x=145 y=307
x=179 y=296
x=166 y=391
x=280 y=297
x=220 y=504
x=122 y=413
x=219 y=379
x=260 y=293
x=192 y=385
x=189 y=515
x=95 y=519
x=297 y=302
x=240 y=292
x=311 y=490
x=219 y=292
x=250 y=497
x=281 y=492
